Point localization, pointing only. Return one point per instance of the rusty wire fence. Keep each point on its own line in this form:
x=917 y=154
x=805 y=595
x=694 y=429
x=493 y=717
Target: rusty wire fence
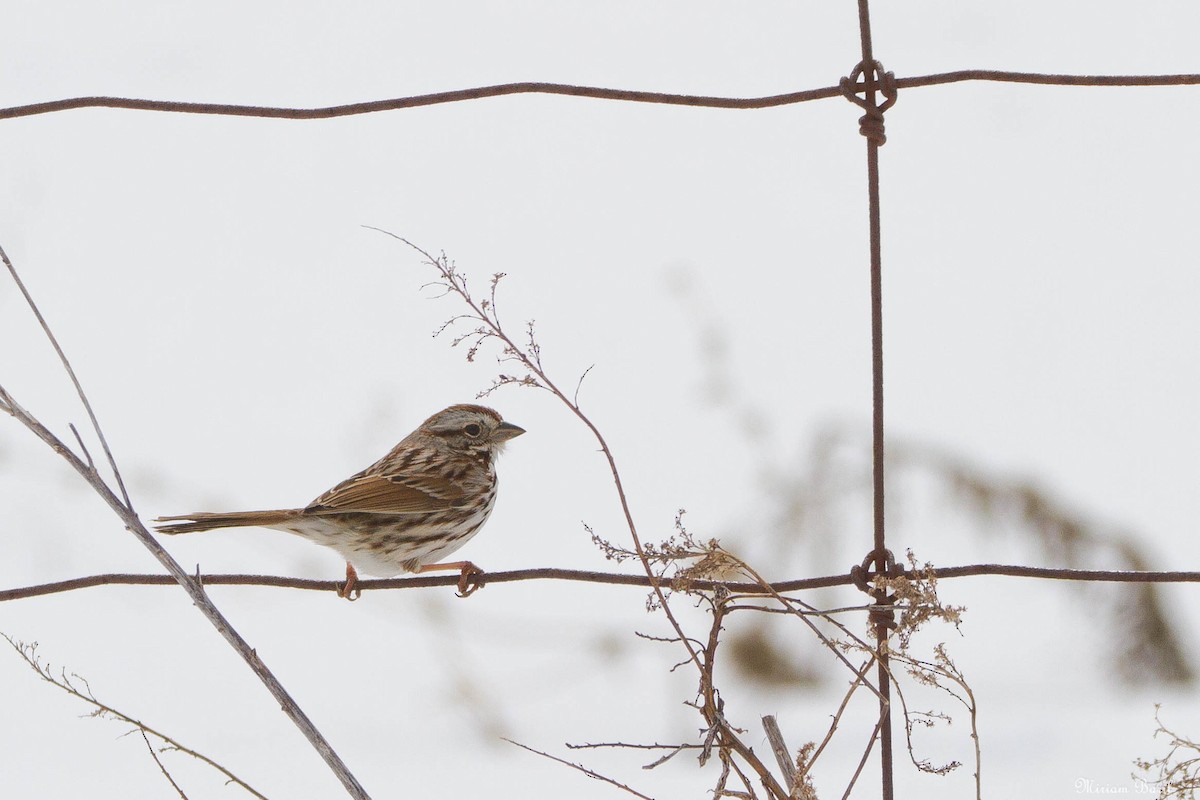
x=874 y=90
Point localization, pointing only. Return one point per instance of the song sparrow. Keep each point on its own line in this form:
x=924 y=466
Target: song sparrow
x=419 y=503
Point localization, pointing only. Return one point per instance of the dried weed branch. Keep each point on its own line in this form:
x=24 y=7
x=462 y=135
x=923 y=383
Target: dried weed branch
x=124 y=510
x=83 y=398
x=78 y=687
x=484 y=327
x=590 y=773
x=1176 y=774
x=916 y=598
x=481 y=325
x=683 y=563
x=162 y=767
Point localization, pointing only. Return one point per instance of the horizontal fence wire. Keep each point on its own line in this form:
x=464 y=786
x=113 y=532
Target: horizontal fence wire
x=593 y=92
x=585 y=576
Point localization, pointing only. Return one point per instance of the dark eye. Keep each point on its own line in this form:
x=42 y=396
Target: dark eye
x=472 y=430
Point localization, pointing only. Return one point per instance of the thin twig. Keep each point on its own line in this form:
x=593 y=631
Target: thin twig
x=745 y=779
x=161 y=767
x=29 y=655
x=927 y=673
x=629 y=746
x=860 y=680
x=658 y=762
x=530 y=358
x=783 y=756
x=673 y=749
x=124 y=510
x=713 y=708
x=62 y=357
x=83 y=448
x=862 y=762
x=581 y=768
x=579 y=385
x=803 y=611
x=489 y=327
x=199 y=598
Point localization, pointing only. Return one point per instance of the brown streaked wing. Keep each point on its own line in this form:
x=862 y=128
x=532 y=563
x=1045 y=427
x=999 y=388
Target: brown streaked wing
x=378 y=494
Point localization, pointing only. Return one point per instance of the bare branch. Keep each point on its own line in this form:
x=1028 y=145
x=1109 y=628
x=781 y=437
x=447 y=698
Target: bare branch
x=28 y=653
x=803 y=610
x=1176 y=774
x=579 y=385
x=860 y=680
x=62 y=357
x=124 y=510
x=83 y=448
x=581 y=768
x=658 y=762
x=745 y=779
x=161 y=767
x=862 y=762
x=783 y=756
x=530 y=358
x=673 y=749
x=627 y=745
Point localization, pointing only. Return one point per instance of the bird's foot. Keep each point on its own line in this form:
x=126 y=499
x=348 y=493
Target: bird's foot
x=468 y=578
x=349 y=590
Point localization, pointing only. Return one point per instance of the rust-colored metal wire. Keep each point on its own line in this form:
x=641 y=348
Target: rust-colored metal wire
x=593 y=92
x=585 y=576
x=873 y=77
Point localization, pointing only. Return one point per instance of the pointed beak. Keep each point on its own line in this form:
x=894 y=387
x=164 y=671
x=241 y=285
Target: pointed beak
x=505 y=431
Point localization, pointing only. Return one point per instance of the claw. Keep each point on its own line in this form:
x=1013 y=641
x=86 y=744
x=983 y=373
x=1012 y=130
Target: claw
x=349 y=591
x=468 y=579
x=468 y=582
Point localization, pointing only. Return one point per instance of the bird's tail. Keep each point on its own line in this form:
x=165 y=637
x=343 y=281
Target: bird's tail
x=204 y=521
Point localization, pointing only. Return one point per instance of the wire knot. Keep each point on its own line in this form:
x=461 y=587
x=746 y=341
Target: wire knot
x=881 y=615
x=859 y=81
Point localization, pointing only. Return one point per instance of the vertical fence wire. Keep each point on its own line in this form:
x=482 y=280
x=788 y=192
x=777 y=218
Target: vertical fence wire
x=882 y=631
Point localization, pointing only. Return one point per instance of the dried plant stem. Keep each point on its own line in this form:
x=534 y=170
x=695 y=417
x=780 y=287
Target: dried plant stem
x=486 y=315
x=713 y=708
x=783 y=756
x=928 y=673
x=863 y=761
x=62 y=357
x=161 y=767
x=837 y=717
x=28 y=654
x=1176 y=774
x=199 y=597
x=804 y=611
x=581 y=768
x=124 y=509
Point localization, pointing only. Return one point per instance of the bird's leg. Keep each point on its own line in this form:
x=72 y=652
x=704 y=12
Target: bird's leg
x=349 y=591
x=467 y=583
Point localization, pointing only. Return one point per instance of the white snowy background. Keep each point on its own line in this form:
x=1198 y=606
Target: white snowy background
x=247 y=343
